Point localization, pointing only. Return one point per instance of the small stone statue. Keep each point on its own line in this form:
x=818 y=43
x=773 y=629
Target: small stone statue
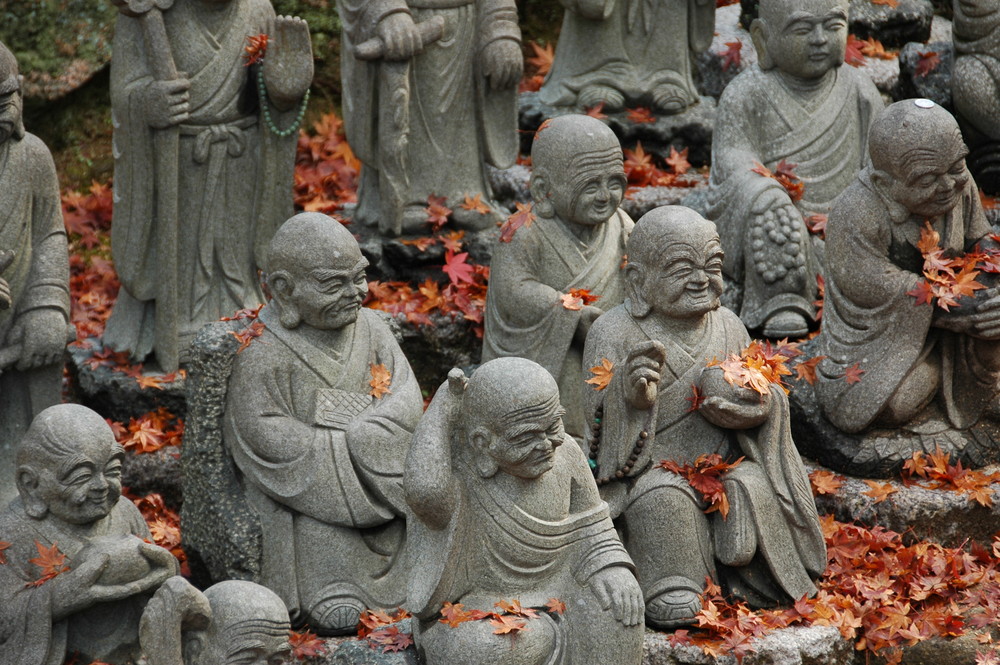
x=204 y=158
x=34 y=309
x=430 y=98
x=975 y=85
x=77 y=573
x=231 y=623
x=505 y=507
x=770 y=547
x=635 y=52
x=318 y=419
x=576 y=242
x=799 y=106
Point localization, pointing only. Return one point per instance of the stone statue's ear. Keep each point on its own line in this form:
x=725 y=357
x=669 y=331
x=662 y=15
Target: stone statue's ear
x=485 y=464
x=281 y=285
x=27 y=487
x=758 y=33
x=635 y=300
x=541 y=196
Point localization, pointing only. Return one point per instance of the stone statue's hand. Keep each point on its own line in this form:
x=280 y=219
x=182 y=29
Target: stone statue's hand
x=773 y=198
x=288 y=65
x=985 y=323
x=167 y=102
x=588 y=314
x=644 y=364
x=399 y=34
x=42 y=335
x=746 y=411
x=617 y=590
x=503 y=63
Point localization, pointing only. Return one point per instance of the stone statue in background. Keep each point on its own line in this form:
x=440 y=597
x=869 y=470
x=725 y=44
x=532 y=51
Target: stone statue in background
x=231 y=623
x=629 y=52
x=975 y=85
x=576 y=242
x=34 y=264
x=800 y=106
x=430 y=98
x=320 y=449
x=770 y=548
x=204 y=158
x=505 y=507
x=90 y=600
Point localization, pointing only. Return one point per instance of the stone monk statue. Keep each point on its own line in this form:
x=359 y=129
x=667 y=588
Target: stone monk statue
x=770 y=547
x=576 y=242
x=34 y=263
x=505 y=507
x=88 y=601
x=801 y=106
x=430 y=105
x=634 y=52
x=319 y=450
x=203 y=164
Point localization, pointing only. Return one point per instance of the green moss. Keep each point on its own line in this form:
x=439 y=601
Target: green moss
x=48 y=34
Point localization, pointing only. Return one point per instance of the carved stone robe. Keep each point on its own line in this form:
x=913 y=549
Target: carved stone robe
x=977 y=34
x=524 y=313
x=322 y=461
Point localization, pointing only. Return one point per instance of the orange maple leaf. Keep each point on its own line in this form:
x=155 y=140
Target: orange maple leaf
x=255 y=49
x=508 y=624
x=555 y=606
x=602 y=374
x=3 y=547
x=437 y=211
x=523 y=216
x=639 y=168
x=452 y=240
x=248 y=335
x=892 y=4
x=150 y=381
x=873 y=48
x=391 y=639
x=542 y=58
x=678 y=161
x=145 y=435
x=879 y=491
x=306 y=644
x=806 y=370
x=381 y=381
x=640 y=115
x=454 y=614
x=825 y=482
x=853 y=373
x=422 y=244
x=51 y=561
x=514 y=607
x=475 y=203
x=596 y=111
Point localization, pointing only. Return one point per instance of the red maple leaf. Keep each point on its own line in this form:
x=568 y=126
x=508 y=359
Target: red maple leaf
x=437 y=211
x=696 y=399
x=854 y=55
x=927 y=63
x=732 y=56
x=306 y=644
x=391 y=639
x=522 y=217
x=853 y=373
x=255 y=49
x=678 y=161
x=51 y=561
x=248 y=335
x=457 y=269
x=640 y=115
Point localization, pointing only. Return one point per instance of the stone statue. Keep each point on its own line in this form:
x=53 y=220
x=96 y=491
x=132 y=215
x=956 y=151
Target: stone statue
x=77 y=572
x=231 y=623
x=430 y=98
x=505 y=507
x=975 y=85
x=204 y=158
x=319 y=448
x=34 y=310
x=576 y=242
x=927 y=371
x=634 y=52
x=801 y=106
x=770 y=547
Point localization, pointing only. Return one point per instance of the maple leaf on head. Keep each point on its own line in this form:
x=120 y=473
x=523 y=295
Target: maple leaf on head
x=523 y=216
x=255 y=49
x=602 y=374
x=678 y=161
x=640 y=116
x=927 y=63
x=51 y=561
x=476 y=204
x=381 y=381
x=457 y=269
x=306 y=644
x=732 y=56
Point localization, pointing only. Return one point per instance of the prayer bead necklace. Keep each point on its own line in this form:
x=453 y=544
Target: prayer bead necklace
x=595 y=447
x=267 y=110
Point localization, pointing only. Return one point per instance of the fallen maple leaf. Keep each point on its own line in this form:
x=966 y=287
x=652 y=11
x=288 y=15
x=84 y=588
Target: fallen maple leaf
x=555 y=606
x=505 y=624
x=381 y=381
x=696 y=399
x=602 y=374
x=879 y=491
x=437 y=211
x=596 y=111
x=806 y=369
x=248 y=335
x=873 y=48
x=927 y=63
x=422 y=244
x=825 y=482
x=732 y=56
x=577 y=299
x=51 y=561
x=704 y=476
x=150 y=381
x=391 y=639
x=891 y=4
x=456 y=268
x=853 y=373
x=3 y=547
x=522 y=216
x=542 y=58
x=255 y=49
x=640 y=115
x=476 y=204
x=678 y=161
x=306 y=644
x=452 y=240
x=853 y=55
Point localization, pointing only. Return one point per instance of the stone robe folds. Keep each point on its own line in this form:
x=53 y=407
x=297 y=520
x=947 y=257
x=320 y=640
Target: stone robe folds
x=977 y=33
x=31 y=225
x=233 y=176
x=430 y=125
x=868 y=318
x=326 y=486
x=771 y=481
x=28 y=635
x=524 y=314
x=761 y=120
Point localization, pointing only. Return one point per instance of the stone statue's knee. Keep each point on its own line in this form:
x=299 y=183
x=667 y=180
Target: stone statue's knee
x=475 y=642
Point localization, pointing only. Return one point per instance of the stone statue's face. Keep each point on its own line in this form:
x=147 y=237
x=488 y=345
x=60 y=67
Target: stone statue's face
x=84 y=486
x=589 y=194
x=525 y=446
x=930 y=182
x=687 y=281
x=329 y=298
x=808 y=38
x=10 y=104
x=255 y=642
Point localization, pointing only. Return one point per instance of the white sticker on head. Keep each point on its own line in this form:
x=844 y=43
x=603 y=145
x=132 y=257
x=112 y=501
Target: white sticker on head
x=923 y=103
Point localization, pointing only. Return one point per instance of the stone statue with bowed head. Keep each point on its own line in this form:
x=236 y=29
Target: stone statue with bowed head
x=34 y=311
x=204 y=159
x=426 y=110
x=975 y=85
x=576 y=242
x=799 y=105
x=770 y=548
x=319 y=451
x=629 y=52
x=69 y=479
x=230 y=623
x=505 y=507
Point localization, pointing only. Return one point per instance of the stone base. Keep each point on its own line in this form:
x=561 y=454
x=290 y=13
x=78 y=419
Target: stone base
x=936 y=84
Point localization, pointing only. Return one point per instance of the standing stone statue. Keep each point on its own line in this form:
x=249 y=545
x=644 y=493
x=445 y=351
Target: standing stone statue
x=770 y=547
x=801 y=106
x=430 y=98
x=576 y=242
x=204 y=157
x=635 y=52
x=505 y=507
x=77 y=572
x=975 y=85
x=319 y=448
x=34 y=264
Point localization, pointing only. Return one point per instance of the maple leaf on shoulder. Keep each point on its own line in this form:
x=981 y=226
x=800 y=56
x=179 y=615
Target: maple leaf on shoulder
x=522 y=216
x=248 y=335
x=603 y=374
x=380 y=382
x=555 y=606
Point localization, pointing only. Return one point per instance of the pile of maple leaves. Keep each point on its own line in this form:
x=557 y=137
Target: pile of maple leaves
x=946 y=279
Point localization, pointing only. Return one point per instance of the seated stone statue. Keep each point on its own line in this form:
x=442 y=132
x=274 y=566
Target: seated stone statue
x=90 y=602
x=505 y=507
x=636 y=53
x=770 y=547
x=576 y=242
x=320 y=452
x=927 y=371
x=975 y=85
x=801 y=106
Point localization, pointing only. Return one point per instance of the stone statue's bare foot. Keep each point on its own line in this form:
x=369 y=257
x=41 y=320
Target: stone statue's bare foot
x=592 y=95
x=670 y=98
x=786 y=323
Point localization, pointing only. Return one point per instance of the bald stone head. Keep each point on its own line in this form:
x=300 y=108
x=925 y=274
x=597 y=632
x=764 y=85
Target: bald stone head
x=316 y=272
x=803 y=38
x=249 y=625
x=10 y=97
x=577 y=170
